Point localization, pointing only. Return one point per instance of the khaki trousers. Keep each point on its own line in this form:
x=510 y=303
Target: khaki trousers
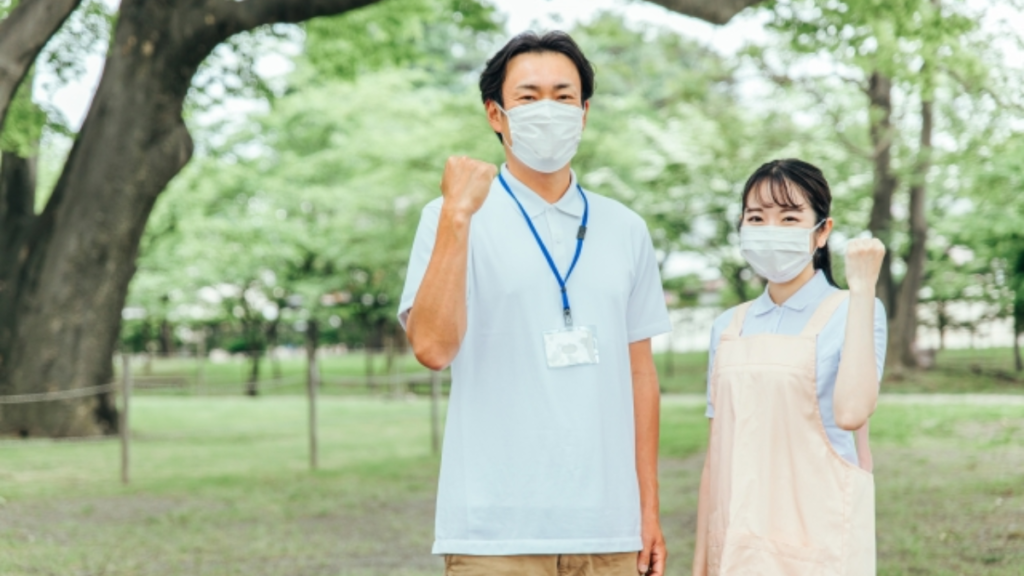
x=623 y=564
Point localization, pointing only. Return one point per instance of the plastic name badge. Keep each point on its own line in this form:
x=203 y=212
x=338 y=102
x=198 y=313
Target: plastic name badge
x=571 y=346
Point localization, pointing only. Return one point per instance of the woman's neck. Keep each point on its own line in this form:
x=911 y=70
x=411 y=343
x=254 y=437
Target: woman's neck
x=551 y=187
x=779 y=292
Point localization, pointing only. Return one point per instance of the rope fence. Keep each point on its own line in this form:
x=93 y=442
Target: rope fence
x=59 y=394
x=313 y=382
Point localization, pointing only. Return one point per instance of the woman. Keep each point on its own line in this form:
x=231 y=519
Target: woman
x=791 y=375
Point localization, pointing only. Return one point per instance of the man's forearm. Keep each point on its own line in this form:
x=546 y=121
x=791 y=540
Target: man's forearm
x=646 y=413
x=437 y=321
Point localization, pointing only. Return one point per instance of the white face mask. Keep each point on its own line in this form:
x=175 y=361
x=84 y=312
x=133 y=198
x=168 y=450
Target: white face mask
x=545 y=134
x=777 y=253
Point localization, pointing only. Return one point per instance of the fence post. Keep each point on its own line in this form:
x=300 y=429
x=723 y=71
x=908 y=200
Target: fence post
x=435 y=411
x=126 y=397
x=312 y=386
x=200 y=387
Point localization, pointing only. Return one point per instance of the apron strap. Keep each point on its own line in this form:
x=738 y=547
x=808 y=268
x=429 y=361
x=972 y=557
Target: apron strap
x=736 y=326
x=824 y=313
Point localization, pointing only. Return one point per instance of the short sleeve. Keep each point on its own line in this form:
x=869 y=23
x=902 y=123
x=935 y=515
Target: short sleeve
x=881 y=337
x=419 y=259
x=717 y=328
x=647 y=314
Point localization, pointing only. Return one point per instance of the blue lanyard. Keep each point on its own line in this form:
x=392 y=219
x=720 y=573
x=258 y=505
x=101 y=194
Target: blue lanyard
x=566 y=312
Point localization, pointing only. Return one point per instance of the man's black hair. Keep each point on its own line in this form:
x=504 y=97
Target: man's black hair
x=493 y=77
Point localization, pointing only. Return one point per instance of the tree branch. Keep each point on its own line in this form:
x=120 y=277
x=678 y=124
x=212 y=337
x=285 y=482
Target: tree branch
x=242 y=16
x=23 y=34
x=714 y=11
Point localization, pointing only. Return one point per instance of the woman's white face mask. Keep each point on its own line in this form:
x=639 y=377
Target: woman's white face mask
x=778 y=253
x=545 y=134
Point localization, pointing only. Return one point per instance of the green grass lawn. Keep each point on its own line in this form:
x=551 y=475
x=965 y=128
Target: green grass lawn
x=221 y=487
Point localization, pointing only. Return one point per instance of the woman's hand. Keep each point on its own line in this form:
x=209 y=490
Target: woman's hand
x=864 y=258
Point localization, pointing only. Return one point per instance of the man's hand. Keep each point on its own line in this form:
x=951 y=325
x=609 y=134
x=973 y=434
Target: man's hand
x=465 y=184
x=651 y=560
x=863 y=262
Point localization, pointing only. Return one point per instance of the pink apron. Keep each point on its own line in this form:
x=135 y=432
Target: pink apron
x=783 y=501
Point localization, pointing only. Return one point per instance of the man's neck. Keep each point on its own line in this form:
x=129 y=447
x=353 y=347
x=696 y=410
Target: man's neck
x=551 y=187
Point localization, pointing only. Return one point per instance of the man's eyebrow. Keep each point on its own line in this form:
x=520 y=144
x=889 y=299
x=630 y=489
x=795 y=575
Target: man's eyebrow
x=559 y=86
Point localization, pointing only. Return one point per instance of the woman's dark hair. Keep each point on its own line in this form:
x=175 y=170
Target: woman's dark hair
x=789 y=182
x=492 y=79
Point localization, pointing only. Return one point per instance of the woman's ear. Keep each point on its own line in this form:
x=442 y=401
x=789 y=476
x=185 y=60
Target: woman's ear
x=824 y=232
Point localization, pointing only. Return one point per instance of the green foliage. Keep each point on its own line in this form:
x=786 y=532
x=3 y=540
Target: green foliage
x=435 y=35
x=890 y=37
x=23 y=126
x=308 y=212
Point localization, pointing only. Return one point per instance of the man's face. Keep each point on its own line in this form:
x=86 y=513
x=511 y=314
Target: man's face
x=536 y=76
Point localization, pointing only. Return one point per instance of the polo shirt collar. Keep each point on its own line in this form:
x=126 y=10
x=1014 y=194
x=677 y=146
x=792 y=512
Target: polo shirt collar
x=570 y=203
x=810 y=293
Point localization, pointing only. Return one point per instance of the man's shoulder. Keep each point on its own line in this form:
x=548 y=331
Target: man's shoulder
x=615 y=210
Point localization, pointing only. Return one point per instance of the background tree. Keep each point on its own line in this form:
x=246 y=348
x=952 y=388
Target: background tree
x=911 y=61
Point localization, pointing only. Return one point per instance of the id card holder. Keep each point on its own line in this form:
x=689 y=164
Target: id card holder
x=572 y=346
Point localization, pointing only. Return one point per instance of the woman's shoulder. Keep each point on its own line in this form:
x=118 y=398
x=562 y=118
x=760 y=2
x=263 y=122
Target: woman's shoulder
x=721 y=323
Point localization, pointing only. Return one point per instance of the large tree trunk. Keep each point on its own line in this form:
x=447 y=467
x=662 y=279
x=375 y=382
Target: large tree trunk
x=66 y=276
x=880 y=96
x=902 y=342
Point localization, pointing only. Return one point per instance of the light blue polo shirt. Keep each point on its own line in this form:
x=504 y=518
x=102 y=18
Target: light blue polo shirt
x=765 y=317
x=539 y=460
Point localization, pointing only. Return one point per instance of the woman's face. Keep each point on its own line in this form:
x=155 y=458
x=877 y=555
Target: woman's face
x=763 y=210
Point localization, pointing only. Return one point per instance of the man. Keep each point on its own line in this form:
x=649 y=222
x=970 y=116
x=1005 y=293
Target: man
x=543 y=298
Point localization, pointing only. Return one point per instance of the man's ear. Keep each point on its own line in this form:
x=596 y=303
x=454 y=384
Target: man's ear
x=586 y=112
x=495 y=117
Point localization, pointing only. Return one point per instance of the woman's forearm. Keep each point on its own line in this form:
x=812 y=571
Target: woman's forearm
x=856 y=392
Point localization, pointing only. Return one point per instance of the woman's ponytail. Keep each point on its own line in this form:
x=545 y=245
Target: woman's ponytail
x=823 y=262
